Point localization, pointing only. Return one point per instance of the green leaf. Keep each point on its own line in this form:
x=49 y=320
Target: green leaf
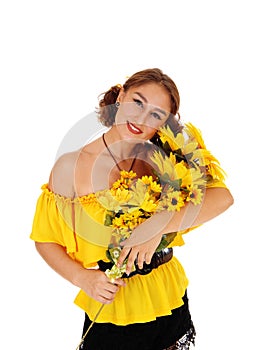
x=176 y=184
x=109 y=256
x=170 y=236
x=108 y=220
x=166 y=240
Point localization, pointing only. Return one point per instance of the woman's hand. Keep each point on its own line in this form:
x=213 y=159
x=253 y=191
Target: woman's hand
x=94 y=282
x=142 y=253
x=99 y=287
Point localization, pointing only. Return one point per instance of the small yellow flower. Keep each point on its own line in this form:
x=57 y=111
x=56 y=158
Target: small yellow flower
x=192 y=176
x=128 y=220
x=127 y=174
x=152 y=185
x=119 y=184
x=181 y=172
x=148 y=205
x=172 y=200
x=125 y=180
x=195 y=195
x=119 y=222
x=121 y=195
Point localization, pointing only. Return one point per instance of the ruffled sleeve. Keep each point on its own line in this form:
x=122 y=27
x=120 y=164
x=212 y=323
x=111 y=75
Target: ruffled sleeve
x=76 y=224
x=50 y=224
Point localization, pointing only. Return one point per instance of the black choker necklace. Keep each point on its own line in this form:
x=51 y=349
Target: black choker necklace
x=113 y=157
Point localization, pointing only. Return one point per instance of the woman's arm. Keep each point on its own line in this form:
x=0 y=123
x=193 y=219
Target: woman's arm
x=146 y=237
x=94 y=282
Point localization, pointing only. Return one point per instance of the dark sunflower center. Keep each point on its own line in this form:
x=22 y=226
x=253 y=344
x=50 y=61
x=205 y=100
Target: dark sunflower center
x=174 y=201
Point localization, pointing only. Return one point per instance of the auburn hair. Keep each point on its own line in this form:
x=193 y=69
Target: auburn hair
x=107 y=108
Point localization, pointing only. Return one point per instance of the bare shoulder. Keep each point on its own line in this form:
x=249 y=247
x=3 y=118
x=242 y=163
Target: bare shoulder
x=70 y=174
x=62 y=175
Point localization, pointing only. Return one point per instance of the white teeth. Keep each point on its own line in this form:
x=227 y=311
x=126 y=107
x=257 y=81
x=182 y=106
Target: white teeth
x=133 y=127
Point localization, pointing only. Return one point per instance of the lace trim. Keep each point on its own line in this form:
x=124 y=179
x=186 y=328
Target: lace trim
x=185 y=341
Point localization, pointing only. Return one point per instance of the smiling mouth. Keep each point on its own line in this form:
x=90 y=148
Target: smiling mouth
x=133 y=129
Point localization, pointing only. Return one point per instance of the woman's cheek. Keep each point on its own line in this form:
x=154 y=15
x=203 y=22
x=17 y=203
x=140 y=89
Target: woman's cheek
x=149 y=132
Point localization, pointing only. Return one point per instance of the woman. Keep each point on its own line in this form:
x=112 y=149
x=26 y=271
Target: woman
x=147 y=309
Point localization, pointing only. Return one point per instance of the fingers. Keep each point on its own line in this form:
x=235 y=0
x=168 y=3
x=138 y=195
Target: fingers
x=148 y=258
x=108 y=293
x=132 y=255
x=120 y=282
x=98 y=286
x=130 y=261
x=139 y=256
x=143 y=258
x=123 y=255
x=140 y=253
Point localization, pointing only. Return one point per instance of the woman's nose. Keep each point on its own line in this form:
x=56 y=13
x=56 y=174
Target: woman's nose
x=143 y=117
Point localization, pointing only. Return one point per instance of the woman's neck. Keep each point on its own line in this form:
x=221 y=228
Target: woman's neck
x=120 y=147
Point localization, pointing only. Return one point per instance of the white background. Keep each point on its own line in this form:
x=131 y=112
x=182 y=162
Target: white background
x=56 y=58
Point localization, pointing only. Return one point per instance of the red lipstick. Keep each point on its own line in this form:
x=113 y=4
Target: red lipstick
x=133 y=129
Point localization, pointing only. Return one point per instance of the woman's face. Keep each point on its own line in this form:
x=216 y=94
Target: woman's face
x=142 y=111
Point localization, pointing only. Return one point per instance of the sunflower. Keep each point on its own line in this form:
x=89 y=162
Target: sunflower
x=195 y=195
x=125 y=180
x=148 y=204
x=141 y=198
x=172 y=201
x=166 y=135
x=183 y=147
x=151 y=184
x=176 y=174
x=165 y=165
x=128 y=220
x=121 y=195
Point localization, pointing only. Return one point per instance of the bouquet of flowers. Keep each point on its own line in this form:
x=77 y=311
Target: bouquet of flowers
x=183 y=167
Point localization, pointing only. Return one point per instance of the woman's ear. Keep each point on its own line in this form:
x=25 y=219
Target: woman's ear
x=121 y=95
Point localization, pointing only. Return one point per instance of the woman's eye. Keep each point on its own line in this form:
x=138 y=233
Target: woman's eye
x=138 y=102
x=156 y=116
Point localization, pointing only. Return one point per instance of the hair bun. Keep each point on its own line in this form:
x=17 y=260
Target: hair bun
x=116 y=88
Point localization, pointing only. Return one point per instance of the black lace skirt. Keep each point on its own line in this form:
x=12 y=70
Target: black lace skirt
x=173 y=332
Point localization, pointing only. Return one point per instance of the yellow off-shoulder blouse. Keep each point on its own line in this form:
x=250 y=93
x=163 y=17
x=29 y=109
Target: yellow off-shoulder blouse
x=77 y=224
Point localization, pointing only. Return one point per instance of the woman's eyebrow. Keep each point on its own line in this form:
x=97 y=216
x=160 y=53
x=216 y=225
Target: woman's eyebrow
x=145 y=100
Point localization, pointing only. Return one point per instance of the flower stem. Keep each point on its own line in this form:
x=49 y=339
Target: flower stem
x=90 y=326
